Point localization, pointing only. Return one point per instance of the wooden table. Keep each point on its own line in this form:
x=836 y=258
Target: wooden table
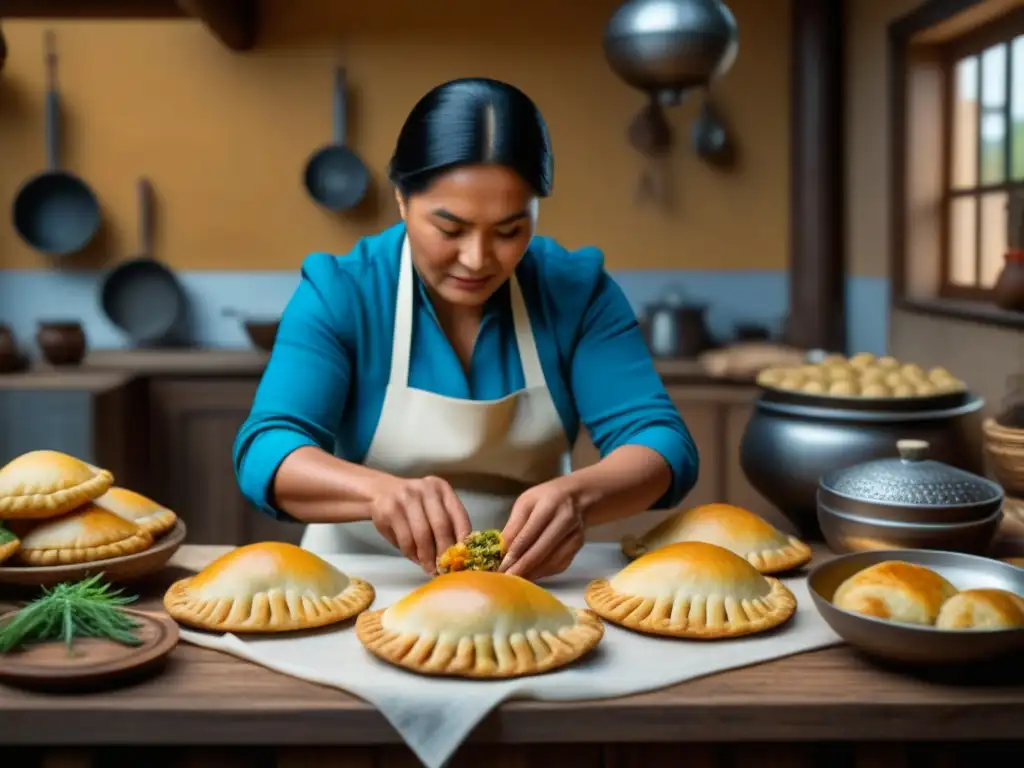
x=830 y=708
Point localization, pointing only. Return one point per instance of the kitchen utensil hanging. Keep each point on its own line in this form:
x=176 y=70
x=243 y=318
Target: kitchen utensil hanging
x=710 y=137
x=335 y=177
x=142 y=296
x=666 y=48
x=55 y=212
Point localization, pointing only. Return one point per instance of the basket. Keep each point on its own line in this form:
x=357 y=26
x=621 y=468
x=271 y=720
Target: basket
x=1004 y=448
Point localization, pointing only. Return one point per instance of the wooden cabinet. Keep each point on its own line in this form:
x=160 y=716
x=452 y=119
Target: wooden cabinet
x=192 y=427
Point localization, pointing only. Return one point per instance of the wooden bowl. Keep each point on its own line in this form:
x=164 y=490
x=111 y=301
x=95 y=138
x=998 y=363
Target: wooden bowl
x=114 y=569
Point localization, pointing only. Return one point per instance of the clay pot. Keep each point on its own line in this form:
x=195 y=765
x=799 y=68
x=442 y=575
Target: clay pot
x=10 y=357
x=62 y=342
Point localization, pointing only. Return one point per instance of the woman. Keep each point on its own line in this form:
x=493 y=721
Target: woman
x=432 y=381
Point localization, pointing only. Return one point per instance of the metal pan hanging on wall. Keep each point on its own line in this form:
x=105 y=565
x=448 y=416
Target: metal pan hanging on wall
x=55 y=212
x=142 y=296
x=335 y=177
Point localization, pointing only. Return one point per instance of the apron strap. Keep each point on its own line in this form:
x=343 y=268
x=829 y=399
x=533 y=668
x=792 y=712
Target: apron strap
x=401 y=341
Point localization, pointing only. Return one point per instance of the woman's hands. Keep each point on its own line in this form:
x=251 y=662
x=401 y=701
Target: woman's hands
x=422 y=517
x=545 y=530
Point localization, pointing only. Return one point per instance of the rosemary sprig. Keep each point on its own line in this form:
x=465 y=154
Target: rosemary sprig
x=69 y=610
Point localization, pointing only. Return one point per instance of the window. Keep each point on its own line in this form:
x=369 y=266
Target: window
x=984 y=162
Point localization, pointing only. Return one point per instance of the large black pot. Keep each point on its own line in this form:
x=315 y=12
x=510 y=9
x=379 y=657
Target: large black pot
x=787 y=445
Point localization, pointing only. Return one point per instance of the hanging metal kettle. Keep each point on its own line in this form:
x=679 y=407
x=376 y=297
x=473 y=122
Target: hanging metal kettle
x=668 y=47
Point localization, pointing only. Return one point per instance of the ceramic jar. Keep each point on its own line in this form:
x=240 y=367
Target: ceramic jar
x=62 y=342
x=10 y=356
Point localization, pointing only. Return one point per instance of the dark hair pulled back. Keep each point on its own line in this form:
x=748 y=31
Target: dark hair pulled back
x=472 y=121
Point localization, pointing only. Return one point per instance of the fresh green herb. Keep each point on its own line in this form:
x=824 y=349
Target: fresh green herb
x=6 y=537
x=72 y=609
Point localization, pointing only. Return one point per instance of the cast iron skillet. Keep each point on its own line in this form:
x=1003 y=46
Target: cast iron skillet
x=55 y=212
x=142 y=296
x=335 y=177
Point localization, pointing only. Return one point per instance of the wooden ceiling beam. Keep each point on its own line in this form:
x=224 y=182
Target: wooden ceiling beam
x=233 y=22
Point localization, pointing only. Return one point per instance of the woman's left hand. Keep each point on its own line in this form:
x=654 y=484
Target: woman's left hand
x=544 y=531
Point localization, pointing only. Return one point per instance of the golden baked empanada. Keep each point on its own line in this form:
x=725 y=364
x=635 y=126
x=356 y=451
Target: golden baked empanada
x=9 y=544
x=42 y=484
x=479 y=551
x=270 y=586
x=479 y=624
x=982 y=609
x=144 y=512
x=88 y=534
x=692 y=589
x=895 y=590
x=763 y=545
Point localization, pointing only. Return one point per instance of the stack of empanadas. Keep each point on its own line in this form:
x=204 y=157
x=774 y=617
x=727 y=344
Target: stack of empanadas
x=59 y=510
x=907 y=593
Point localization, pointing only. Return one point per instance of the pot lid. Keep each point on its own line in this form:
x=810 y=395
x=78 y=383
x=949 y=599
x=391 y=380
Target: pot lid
x=912 y=480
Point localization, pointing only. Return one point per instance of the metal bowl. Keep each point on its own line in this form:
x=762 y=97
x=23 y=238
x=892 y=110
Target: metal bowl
x=787 y=447
x=848 y=533
x=908 y=643
x=910 y=489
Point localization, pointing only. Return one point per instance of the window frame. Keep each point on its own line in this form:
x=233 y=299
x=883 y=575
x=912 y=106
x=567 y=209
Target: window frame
x=916 y=256
x=1001 y=31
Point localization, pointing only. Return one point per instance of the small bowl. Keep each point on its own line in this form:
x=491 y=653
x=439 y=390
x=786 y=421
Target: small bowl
x=909 y=643
x=262 y=333
x=848 y=533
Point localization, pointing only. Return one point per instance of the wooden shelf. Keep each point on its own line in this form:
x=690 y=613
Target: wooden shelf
x=233 y=22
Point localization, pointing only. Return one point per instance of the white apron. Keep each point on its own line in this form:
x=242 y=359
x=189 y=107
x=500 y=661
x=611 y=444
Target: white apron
x=490 y=451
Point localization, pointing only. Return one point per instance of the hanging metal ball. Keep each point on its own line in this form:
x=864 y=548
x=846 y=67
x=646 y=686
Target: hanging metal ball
x=668 y=47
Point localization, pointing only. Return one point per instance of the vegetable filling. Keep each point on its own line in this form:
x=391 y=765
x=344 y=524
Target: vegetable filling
x=480 y=551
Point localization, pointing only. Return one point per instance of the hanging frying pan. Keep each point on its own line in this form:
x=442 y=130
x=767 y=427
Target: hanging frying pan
x=142 y=296
x=55 y=212
x=335 y=177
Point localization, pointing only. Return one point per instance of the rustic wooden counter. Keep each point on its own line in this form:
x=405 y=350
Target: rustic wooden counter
x=830 y=708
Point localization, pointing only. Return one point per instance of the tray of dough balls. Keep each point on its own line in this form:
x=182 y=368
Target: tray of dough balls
x=863 y=382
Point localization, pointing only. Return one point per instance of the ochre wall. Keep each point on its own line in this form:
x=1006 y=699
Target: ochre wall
x=224 y=136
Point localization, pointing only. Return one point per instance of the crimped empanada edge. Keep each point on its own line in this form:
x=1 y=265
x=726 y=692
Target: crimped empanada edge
x=620 y=609
x=353 y=600
x=395 y=648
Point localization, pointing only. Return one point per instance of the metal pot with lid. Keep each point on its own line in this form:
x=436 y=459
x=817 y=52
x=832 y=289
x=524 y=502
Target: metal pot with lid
x=910 y=489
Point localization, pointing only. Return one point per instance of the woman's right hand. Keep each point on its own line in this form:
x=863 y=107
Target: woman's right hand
x=422 y=517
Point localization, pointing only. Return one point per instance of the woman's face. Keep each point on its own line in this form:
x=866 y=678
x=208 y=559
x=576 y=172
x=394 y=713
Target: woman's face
x=468 y=230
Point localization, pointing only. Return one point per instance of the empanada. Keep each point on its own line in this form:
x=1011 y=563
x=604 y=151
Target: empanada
x=270 y=586
x=480 y=551
x=982 y=609
x=763 y=545
x=479 y=624
x=88 y=534
x=692 y=589
x=144 y=512
x=895 y=590
x=9 y=544
x=43 y=484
